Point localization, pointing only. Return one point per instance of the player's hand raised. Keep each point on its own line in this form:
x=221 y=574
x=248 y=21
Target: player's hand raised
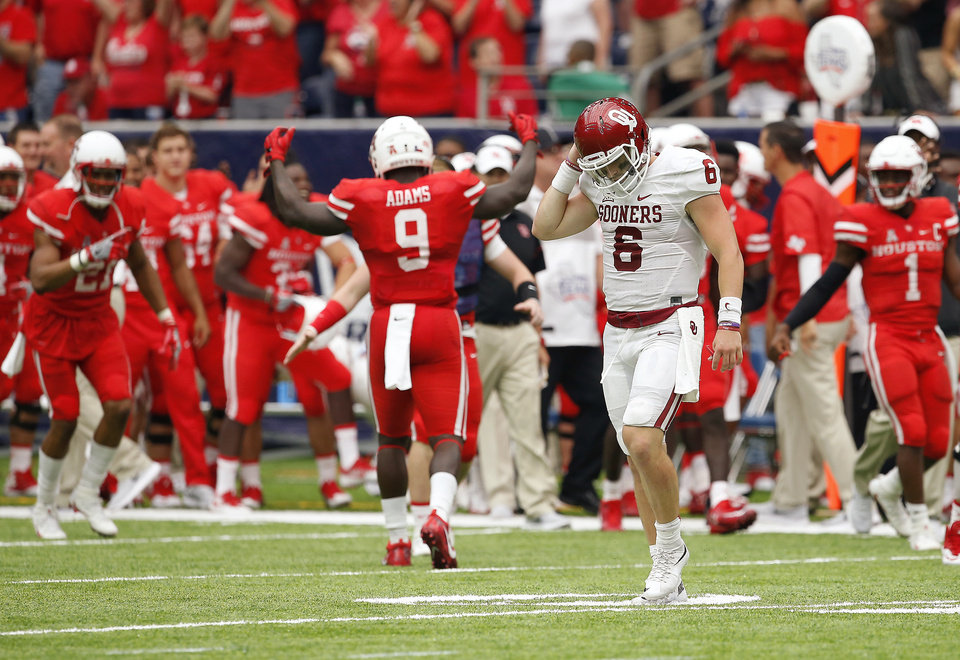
x=301 y=343
x=276 y=144
x=727 y=349
x=525 y=126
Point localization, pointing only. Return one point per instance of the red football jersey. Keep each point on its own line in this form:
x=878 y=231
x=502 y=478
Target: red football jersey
x=16 y=244
x=61 y=215
x=904 y=263
x=161 y=225
x=410 y=233
x=280 y=254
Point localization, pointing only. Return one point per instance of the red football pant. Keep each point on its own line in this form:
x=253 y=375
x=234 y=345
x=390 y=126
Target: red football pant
x=912 y=385
x=106 y=368
x=252 y=349
x=26 y=384
x=438 y=374
x=474 y=405
x=174 y=391
x=209 y=357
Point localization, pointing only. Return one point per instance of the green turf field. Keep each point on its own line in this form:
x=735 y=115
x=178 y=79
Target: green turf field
x=169 y=589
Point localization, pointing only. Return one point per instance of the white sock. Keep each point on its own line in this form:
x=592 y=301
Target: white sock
x=48 y=478
x=420 y=513
x=956 y=479
x=164 y=467
x=955 y=511
x=210 y=453
x=347 y=447
x=94 y=471
x=668 y=534
x=919 y=516
x=891 y=483
x=250 y=474
x=443 y=488
x=326 y=468
x=227 y=474
x=611 y=490
x=719 y=492
x=700 y=472
x=21 y=457
x=395 y=517
x=626 y=479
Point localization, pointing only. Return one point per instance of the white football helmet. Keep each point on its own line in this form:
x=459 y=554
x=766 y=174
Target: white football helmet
x=657 y=138
x=10 y=162
x=463 y=161
x=687 y=136
x=896 y=153
x=98 y=150
x=400 y=142
x=748 y=188
x=508 y=142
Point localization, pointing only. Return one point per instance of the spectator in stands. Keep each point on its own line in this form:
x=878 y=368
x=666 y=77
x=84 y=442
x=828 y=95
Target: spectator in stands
x=350 y=28
x=413 y=58
x=565 y=21
x=57 y=137
x=133 y=50
x=505 y=93
x=927 y=18
x=575 y=87
x=809 y=414
x=18 y=35
x=263 y=55
x=658 y=27
x=312 y=17
x=950 y=54
x=196 y=78
x=82 y=96
x=762 y=45
x=817 y=9
x=503 y=20
x=66 y=29
x=899 y=83
x=449 y=146
x=24 y=137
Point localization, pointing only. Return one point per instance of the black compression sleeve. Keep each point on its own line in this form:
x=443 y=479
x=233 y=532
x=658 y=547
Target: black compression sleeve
x=754 y=293
x=817 y=295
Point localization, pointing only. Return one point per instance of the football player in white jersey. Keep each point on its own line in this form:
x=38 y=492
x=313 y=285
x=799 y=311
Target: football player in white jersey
x=659 y=214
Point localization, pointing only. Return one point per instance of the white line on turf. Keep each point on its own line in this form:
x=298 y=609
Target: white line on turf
x=484 y=569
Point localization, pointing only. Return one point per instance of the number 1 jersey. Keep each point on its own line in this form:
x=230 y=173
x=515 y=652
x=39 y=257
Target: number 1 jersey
x=410 y=233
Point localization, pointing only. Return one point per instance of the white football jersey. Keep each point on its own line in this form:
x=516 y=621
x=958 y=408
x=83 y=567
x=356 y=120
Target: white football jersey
x=653 y=253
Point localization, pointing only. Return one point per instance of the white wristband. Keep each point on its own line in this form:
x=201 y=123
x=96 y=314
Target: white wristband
x=165 y=315
x=566 y=178
x=77 y=262
x=730 y=310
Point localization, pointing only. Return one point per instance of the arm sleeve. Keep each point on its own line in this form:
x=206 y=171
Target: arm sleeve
x=818 y=295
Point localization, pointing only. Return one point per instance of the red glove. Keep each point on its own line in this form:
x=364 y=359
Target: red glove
x=111 y=248
x=525 y=126
x=171 y=338
x=332 y=313
x=276 y=144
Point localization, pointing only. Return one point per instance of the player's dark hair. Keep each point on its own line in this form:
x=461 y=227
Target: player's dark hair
x=727 y=148
x=789 y=137
x=170 y=129
x=21 y=127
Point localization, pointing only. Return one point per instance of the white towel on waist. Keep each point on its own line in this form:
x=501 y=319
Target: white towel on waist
x=13 y=362
x=691 y=350
x=396 y=349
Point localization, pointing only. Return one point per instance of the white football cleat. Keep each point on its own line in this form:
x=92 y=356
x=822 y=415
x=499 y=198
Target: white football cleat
x=46 y=523
x=892 y=507
x=92 y=510
x=664 y=579
x=860 y=510
x=924 y=538
x=675 y=597
x=198 y=496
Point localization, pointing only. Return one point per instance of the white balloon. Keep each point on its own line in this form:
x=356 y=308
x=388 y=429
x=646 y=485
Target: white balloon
x=839 y=59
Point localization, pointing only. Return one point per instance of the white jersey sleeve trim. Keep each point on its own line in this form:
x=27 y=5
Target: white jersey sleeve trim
x=494 y=248
x=35 y=219
x=474 y=190
x=252 y=235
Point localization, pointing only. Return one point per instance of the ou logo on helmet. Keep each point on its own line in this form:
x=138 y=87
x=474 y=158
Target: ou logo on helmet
x=623 y=118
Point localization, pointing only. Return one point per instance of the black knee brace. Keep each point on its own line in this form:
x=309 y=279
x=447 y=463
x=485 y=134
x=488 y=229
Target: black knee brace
x=164 y=436
x=403 y=443
x=25 y=416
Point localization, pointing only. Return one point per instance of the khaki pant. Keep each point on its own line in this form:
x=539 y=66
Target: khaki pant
x=809 y=415
x=653 y=38
x=509 y=366
x=933 y=69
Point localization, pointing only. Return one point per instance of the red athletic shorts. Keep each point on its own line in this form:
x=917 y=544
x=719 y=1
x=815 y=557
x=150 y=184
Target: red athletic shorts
x=474 y=405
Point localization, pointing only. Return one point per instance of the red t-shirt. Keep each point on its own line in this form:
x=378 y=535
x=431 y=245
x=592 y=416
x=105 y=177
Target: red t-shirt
x=904 y=264
x=17 y=25
x=85 y=299
x=207 y=72
x=16 y=244
x=218 y=49
x=262 y=62
x=854 y=8
x=773 y=31
x=803 y=223
x=489 y=21
x=96 y=110
x=405 y=85
x=316 y=10
x=410 y=234
x=162 y=224
x=137 y=65
x=653 y=9
x=70 y=27
x=353 y=43
x=510 y=94
x=280 y=254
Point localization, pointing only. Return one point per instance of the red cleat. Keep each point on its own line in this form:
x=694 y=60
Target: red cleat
x=252 y=497
x=20 y=483
x=357 y=474
x=439 y=538
x=629 y=505
x=109 y=487
x=951 y=545
x=698 y=502
x=398 y=554
x=730 y=516
x=162 y=495
x=611 y=516
x=334 y=496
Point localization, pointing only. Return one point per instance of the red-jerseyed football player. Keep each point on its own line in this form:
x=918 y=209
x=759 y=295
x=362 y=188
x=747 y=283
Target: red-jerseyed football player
x=16 y=244
x=905 y=245
x=81 y=233
x=410 y=225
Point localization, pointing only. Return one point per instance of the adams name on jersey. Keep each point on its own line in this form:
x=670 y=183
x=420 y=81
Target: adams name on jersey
x=650 y=232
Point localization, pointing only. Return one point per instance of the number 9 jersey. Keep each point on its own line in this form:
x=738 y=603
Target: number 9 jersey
x=650 y=236
x=410 y=233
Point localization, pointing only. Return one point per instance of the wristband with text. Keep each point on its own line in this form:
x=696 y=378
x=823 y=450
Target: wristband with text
x=527 y=290
x=730 y=310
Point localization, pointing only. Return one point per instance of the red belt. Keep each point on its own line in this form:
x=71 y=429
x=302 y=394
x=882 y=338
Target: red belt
x=643 y=319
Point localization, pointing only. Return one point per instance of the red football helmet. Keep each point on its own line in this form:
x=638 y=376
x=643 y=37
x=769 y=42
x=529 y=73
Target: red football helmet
x=614 y=144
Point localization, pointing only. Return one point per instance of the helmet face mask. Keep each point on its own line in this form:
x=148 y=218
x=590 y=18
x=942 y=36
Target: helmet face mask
x=897 y=171
x=613 y=140
x=99 y=162
x=400 y=141
x=13 y=179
